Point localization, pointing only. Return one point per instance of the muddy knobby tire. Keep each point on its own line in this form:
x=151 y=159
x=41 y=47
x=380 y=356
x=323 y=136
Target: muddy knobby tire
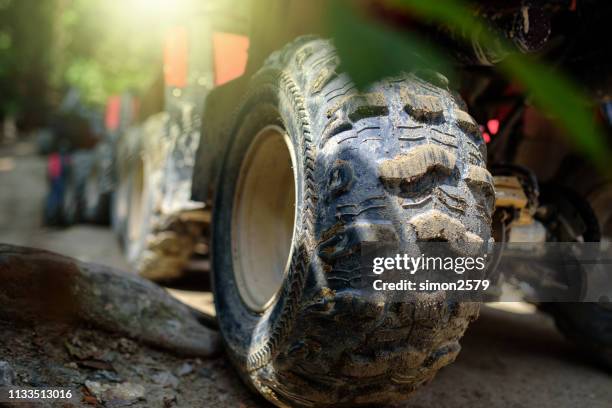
x=168 y=249
x=158 y=246
x=401 y=162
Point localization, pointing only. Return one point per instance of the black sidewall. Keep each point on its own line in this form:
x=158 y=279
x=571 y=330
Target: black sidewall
x=245 y=331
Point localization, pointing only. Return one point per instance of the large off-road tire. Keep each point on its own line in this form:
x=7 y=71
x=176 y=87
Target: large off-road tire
x=314 y=170
x=119 y=208
x=157 y=252
x=75 y=178
x=97 y=192
x=72 y=200
x=126 y=156
x=138 y=212
x=589 y=325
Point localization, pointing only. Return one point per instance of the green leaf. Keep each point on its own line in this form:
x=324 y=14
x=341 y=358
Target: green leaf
x=370 y=51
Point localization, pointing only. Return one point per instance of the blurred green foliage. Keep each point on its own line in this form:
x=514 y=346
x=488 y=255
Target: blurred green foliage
x=96 y=47
x=102 y=47
x=23 y=79
x=370 y=51
x=106 y=47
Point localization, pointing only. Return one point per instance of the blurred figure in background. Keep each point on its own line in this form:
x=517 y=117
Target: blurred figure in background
x=58 y=167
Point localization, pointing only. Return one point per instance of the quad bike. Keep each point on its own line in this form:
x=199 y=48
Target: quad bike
x=74 y=155
x=300 y=169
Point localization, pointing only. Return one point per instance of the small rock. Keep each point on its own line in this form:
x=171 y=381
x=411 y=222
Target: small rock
x=6 y=374
x=109 y=356
x=165 y=379
x=184 y=369
x=112 y=392
x=96 y=364
x=96 y=388
x=169 y=401
x=206 y=372
x=24 y=377
x=126 y=391
x=61 y=374
x=107 y=376
x=126 y=346
x=81 y=350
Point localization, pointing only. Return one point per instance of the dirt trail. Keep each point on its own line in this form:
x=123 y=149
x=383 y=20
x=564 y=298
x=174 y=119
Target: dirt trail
x=22 y=194
x=508 y=359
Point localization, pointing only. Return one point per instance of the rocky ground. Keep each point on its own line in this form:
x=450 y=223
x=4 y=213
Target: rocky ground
x=510 y=358
x=114 y=371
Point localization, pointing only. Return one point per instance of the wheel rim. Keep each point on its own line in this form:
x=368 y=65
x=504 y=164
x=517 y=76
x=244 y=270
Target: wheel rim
x=263 y=218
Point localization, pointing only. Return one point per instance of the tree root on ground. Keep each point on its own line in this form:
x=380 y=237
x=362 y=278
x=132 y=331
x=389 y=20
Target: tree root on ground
x=42 y=287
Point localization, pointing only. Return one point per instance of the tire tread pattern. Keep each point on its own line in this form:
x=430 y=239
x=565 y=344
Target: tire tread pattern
x=401 y=162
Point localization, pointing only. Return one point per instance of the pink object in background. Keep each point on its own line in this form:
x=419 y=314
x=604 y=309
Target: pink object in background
x=54 y=165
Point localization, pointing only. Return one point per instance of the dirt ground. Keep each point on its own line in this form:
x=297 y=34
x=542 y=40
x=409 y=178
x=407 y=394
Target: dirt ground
x=510 y=358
